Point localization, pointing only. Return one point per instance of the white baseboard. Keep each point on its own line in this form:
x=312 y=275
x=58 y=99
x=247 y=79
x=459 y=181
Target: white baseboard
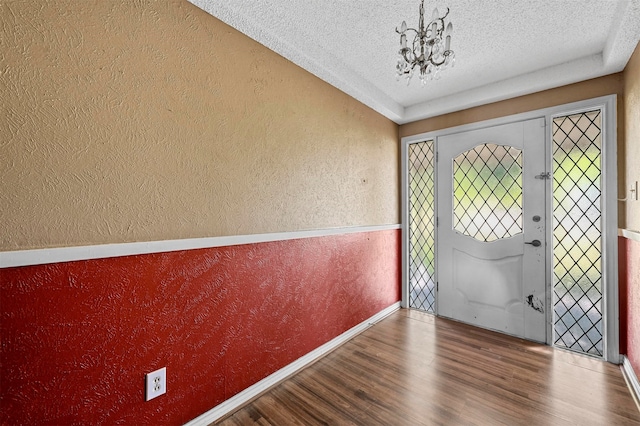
x=251 y=392
x=631 y=378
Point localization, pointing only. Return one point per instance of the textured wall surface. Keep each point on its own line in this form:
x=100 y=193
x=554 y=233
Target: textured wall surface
x=151 y=120
x=623 y=291
x=631 y=289
x=632 y=148
x=632 y=134
x=78 y=337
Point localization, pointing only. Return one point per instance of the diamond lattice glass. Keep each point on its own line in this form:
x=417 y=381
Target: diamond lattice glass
x=577 y=254
x=421 y=226
x=487 y=192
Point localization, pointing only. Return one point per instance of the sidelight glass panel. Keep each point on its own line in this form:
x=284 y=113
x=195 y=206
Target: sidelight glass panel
x=422 y=226
x=577 y=226
x=487 y=192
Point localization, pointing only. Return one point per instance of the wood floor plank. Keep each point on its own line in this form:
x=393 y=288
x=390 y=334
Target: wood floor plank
x=415 y=369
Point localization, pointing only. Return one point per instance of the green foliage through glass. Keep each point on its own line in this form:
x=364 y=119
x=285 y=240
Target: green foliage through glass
x=577 y=246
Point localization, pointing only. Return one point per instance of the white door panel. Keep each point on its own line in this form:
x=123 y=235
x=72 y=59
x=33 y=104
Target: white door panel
x=487 y=275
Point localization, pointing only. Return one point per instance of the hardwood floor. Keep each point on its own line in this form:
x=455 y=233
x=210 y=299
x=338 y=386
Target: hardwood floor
x=415 y=369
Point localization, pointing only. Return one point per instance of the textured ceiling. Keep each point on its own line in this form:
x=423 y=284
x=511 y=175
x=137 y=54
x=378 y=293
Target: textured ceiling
x=504 y=48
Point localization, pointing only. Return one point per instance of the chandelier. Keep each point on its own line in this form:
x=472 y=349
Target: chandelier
x=429 y=52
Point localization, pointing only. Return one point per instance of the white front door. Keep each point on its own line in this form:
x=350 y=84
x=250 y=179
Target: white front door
x=491 y=228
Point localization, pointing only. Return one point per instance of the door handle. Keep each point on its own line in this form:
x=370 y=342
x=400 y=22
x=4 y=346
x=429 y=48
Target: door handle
x=535 y=243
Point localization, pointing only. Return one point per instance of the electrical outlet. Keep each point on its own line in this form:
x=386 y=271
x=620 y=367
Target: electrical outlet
x=156 y=383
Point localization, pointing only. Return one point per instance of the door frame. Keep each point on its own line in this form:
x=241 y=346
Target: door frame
x=609 y=207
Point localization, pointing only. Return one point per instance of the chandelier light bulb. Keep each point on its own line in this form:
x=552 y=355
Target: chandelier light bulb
x=430 y=51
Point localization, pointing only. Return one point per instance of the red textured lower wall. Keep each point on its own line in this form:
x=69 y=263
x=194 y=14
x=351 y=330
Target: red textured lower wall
x=622 y=292
x=78 y=337
x=632 y=295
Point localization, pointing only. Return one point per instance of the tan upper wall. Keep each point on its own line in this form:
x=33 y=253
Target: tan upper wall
x=632 y=134
x=139 y=121
x=607 y=85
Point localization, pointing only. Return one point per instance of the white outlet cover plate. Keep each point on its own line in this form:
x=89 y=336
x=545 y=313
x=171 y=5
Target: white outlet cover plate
x=156 y=383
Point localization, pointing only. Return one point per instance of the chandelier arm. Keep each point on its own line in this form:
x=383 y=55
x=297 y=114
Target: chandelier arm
x=437 y=64
x=407 y=30
x=404 y=53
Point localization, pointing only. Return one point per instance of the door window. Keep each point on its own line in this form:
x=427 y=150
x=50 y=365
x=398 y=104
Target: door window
x=487 y=192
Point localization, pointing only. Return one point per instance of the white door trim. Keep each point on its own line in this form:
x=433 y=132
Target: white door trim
x=609 y=204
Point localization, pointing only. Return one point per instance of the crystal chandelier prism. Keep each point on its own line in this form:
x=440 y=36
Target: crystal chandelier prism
x=430 y=50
